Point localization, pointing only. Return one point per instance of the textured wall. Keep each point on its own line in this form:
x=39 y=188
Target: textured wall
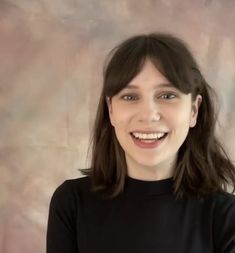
x=51 y=72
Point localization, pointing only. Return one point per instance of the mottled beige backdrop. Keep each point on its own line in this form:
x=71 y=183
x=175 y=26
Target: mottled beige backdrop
x=52 y=55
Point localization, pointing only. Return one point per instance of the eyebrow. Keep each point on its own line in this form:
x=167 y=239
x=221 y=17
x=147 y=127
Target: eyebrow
x=161 y=85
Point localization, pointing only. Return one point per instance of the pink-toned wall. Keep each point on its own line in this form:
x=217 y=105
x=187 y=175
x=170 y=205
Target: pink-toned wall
x=52 y=54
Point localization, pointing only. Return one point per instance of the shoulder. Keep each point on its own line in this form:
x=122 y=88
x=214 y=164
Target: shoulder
x=224 y=208
x=77 y=184
x=223 y=202
x=64 y=210
x=69 y=192
x=224 y=222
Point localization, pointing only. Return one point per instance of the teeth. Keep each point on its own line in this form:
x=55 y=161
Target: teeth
x=148 y=136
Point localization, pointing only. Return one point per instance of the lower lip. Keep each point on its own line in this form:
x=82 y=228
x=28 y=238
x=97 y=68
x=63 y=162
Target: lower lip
x=142 y=144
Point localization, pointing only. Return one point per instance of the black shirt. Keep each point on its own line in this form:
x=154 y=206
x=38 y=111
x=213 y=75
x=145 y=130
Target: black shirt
x=145 y=218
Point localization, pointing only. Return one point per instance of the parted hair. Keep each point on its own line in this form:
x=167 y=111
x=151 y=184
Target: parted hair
x=203 y=166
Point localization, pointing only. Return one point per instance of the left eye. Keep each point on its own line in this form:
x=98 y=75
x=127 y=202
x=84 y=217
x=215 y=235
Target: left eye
x=168 y=96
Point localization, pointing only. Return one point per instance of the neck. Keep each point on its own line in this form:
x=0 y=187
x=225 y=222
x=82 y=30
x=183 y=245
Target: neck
x=150 y=173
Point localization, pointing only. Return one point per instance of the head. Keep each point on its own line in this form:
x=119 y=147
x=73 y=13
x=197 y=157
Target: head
x=153 y=84
x=150 y=106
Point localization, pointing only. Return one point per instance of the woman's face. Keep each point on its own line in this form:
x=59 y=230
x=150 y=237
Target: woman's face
x=150 y=104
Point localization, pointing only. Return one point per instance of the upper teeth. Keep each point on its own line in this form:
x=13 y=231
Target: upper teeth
x=148 y=136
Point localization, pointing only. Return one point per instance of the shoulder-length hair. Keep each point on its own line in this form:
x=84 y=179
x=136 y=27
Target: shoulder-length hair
x=202 y=166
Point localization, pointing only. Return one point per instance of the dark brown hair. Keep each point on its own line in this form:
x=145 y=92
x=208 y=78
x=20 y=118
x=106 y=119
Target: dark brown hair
x=202 y=167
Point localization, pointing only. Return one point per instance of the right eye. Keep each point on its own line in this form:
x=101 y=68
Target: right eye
x=129 y=97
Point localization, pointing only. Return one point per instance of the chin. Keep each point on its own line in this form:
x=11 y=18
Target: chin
x=148 y=163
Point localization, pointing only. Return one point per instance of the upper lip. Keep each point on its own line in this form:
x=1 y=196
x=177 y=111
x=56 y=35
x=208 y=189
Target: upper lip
x=148 y=131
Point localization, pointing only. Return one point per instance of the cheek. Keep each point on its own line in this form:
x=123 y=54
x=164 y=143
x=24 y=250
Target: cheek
x=178 y=118
x=121 y=117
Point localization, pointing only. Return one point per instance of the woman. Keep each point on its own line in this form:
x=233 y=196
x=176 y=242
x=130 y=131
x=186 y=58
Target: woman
x=158 y=175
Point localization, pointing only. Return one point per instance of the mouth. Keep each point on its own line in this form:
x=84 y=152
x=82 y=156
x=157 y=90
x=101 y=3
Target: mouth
x=151 y=137
x=148 y=140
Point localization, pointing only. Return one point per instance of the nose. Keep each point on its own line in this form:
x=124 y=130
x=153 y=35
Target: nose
x=149 y=111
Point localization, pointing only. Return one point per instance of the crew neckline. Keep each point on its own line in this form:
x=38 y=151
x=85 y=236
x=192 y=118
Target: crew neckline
x=135 y=186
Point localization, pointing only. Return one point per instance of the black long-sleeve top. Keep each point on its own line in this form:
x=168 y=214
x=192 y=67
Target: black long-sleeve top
x=145 y=218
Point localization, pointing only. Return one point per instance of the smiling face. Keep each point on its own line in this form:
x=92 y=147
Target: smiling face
x=150 y=104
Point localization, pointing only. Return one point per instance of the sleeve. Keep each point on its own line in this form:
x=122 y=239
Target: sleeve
x=61 y=227
x=224 y=229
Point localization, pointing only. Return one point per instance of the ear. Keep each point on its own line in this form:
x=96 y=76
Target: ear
x=109 y=105
x=194 y=112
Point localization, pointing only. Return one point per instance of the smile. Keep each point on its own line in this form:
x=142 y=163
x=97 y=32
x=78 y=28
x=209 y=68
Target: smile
x=149 y=136
x=148 y=141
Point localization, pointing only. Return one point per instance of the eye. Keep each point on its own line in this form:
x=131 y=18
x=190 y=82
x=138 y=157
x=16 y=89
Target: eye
x=168 y=96
x=129 y=97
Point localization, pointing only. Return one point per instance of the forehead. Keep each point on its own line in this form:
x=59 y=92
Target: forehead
x=160 y=85
x=149 y=75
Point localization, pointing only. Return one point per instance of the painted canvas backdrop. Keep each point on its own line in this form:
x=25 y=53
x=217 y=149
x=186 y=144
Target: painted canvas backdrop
x=52 y=54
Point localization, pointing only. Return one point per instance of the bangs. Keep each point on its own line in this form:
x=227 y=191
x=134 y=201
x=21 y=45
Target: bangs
x=167 y=54
x=126 y=62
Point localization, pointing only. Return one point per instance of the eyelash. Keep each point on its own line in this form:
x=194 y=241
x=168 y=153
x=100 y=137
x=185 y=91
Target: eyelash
x=132 y=95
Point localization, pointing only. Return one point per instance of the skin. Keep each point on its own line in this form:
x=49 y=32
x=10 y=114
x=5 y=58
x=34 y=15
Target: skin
x=139 y=108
